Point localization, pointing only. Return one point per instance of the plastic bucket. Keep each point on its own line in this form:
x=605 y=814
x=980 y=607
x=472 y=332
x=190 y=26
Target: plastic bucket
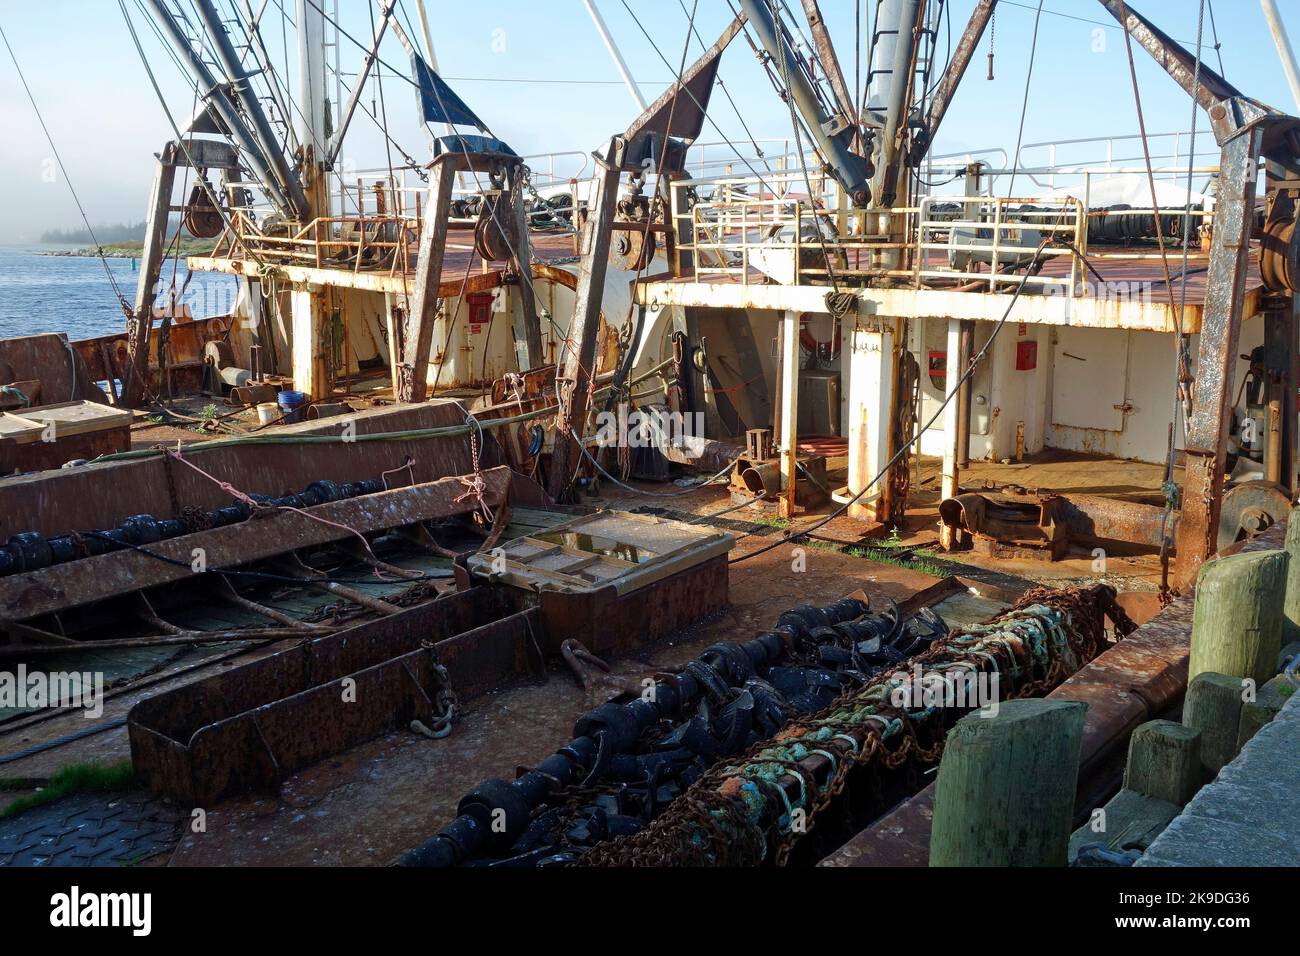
x=267 y=412
x=291 y=405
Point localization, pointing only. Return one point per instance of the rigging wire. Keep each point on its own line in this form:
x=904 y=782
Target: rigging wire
x=1024 y=103
x=1109 y=25
x=1218 y=47
x=180 y=138
x=903 y=450
x=758 y=151
x=1151 y=179
x=725 y=138
x=798 y=139
x=127 y=309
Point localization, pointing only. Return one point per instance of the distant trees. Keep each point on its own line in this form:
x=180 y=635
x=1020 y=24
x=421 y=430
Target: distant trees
x=119 y=232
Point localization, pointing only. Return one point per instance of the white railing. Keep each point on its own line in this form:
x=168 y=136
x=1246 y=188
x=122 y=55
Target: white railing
x=993 y=231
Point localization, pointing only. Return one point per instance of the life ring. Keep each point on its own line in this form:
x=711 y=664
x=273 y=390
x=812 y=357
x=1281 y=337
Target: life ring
x=810 y=342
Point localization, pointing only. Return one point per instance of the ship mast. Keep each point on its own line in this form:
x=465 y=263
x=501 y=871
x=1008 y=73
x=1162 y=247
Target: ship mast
x=312 y=118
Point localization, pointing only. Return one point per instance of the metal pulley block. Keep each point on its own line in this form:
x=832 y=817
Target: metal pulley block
x=632 y=249
x=1249 y=509
x=496 y=235
x=203 y=219
x=1279 y=245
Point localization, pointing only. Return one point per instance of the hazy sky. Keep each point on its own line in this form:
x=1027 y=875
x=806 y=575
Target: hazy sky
x=505 y=57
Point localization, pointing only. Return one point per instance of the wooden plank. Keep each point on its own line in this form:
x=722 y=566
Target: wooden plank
x=76 y=418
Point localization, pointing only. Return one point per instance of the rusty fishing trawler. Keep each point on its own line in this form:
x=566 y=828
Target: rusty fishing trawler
x=781 y=502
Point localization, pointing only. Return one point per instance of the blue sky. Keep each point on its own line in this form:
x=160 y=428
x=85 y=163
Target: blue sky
x=505 y=56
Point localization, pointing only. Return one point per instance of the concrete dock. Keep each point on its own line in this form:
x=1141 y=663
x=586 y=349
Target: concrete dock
x=1247 y=815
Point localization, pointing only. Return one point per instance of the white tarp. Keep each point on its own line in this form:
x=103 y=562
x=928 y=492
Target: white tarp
x=1134 y=191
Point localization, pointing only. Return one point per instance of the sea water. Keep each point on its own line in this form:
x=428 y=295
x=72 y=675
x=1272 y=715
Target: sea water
x=52 y=293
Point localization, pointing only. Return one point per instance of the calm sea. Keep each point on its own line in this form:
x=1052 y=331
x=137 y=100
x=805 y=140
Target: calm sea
x=42 y=293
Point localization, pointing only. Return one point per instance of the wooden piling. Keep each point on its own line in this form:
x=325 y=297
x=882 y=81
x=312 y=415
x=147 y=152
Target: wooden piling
x=1291 y=604
x=1164 y=761
x=1213 y=706
x=1268 y=701
x=1006 y=787
x=1237 y=621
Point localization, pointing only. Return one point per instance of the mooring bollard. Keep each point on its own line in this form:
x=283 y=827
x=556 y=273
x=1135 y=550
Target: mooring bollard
x=1005 y=793
x=1164 y=761
x=1268 y=703
x=1213 y=706
x=1237 y=621
x=1291 y=604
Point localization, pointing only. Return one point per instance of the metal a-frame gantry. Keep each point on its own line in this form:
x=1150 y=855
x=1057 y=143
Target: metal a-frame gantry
x=656 y=142
x=476 y=154
x=1246 y=131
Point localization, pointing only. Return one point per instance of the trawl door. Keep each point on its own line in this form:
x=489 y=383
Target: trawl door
x=1089 y=378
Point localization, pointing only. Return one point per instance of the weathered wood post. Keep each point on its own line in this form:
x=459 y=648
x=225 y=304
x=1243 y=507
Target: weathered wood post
x=1268 y=703
x=1291 y=604
x=1164 y=761
x=1213 y=706
x=1006 y=787
x=1237 y=621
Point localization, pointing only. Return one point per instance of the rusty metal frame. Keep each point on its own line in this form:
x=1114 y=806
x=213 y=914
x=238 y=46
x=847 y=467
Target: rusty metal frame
x=247 y=728
x=207 y=154
x=33 y=593
x=654 y=142
x=1246 y=131
x=1210 y=421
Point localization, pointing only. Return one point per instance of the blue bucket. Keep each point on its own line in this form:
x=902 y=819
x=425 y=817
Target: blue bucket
x=291 y=405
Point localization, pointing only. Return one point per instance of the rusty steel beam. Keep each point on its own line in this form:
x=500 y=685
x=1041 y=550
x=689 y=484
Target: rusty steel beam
x=574 y=379
x=952 y=77
x=655 y=142
x=1208 y=427
x=1095 y=518
x=139 y=325
x=418 y=342
x=830 y=62
x=528 y=329
x=1208 y=88
x=28 y=595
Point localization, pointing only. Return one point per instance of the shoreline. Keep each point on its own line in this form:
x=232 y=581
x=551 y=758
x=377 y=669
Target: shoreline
x=121 y=250
x=89 y=253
